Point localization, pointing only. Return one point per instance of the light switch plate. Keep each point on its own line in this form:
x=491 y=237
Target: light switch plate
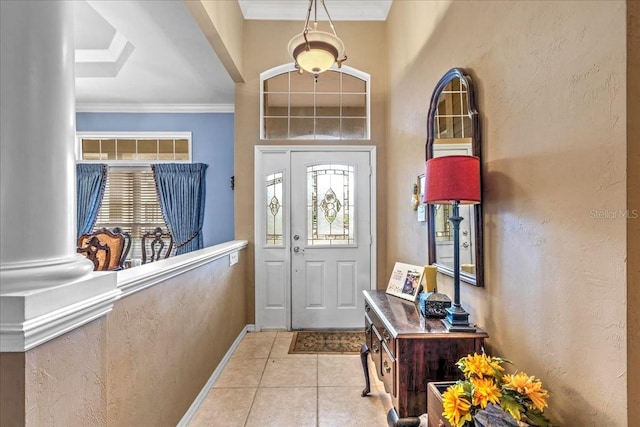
x=233 y=258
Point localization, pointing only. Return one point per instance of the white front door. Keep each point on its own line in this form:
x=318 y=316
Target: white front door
x=313 y=237
x=330 y=224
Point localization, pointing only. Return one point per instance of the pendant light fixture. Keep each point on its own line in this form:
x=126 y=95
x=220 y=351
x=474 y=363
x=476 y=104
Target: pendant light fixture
x=316 y=51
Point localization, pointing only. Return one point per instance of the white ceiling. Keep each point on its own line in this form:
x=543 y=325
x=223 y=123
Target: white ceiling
x=150 y=54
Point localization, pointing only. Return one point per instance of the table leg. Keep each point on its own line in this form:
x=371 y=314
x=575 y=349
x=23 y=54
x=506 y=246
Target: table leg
x=364 y=352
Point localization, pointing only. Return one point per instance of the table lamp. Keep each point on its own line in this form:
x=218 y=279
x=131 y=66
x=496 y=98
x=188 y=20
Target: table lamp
x=454 y=180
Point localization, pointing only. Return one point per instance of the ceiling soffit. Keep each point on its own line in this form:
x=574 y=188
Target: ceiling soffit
x=101 y=51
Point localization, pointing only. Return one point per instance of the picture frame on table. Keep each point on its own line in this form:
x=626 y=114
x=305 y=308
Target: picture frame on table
x=405 y=281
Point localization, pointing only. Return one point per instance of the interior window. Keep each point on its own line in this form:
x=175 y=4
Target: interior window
x=333 y=105
x=131 y=149
x=130 y=199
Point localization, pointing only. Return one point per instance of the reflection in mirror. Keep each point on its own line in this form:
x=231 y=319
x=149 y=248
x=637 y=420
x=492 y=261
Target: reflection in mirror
x=453 y=129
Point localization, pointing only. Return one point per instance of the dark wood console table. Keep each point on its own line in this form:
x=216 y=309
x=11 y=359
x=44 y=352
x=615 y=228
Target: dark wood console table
x=409 y=351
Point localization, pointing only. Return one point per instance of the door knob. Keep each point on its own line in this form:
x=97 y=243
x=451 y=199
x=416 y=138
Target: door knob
x=296 y=249
x=465 y=245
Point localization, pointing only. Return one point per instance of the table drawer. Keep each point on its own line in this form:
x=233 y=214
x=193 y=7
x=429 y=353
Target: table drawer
x=388 y=370
x=385 y=335
x=388 y=339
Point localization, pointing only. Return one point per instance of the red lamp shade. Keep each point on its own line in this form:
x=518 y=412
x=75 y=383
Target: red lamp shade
x=451 y=178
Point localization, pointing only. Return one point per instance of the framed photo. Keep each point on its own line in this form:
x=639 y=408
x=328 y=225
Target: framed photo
x=405 y=281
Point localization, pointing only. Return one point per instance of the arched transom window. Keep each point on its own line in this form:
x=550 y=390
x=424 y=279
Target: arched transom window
x=333 y=105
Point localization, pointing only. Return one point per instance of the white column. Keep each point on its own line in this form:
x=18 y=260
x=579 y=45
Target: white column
x=46 y=288
x=37 y=131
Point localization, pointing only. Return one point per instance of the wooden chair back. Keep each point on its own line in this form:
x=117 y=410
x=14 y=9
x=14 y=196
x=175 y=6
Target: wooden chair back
x=96 y=252
x=127 y=244
x=116 y=242
x=156 y=245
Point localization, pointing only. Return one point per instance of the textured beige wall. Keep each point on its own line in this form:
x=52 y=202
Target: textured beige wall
x=266 y=47
x=165 y=342
x=551 y=94
x=633 y=201
x=411 y=81
x=12 y=389
x=65 y=379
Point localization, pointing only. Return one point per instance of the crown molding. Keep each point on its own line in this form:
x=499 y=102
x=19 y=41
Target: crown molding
x=155 y=108
x=344 y=10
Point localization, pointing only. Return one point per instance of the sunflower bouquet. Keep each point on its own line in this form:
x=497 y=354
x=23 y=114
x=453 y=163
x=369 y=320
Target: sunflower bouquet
x=487 y=393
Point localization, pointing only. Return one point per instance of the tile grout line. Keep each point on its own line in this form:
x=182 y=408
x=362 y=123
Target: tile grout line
x=264 y=368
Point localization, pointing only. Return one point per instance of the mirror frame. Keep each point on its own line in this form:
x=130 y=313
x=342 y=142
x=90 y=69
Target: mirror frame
x=476 y=143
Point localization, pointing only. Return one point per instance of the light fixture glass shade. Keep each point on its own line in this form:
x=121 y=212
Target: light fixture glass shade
x=451 y=179
x=319 y=54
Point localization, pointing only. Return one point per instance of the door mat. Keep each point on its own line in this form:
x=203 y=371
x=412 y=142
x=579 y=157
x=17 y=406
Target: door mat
x=335 y=342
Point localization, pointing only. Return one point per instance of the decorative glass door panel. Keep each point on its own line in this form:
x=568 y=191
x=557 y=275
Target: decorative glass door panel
x=330 y=208
x=275 y=208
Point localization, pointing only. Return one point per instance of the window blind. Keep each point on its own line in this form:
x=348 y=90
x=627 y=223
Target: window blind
x=131 y=203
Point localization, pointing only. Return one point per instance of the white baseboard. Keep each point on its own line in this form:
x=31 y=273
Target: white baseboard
x=188 y=416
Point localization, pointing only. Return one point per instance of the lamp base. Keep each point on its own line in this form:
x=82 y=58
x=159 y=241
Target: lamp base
x=457 y=328
x=457 y=320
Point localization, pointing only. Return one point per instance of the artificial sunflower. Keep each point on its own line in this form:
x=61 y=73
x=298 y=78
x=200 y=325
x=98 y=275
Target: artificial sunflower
x=485 y=391
x=480 y=366
x=528 y=385
x=456 y=406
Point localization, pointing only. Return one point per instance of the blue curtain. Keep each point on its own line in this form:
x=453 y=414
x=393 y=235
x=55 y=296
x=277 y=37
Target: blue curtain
x=181 y=190
x=91 y=180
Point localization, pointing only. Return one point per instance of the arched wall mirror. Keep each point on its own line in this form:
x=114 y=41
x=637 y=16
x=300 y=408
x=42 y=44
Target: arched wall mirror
x=453 y=128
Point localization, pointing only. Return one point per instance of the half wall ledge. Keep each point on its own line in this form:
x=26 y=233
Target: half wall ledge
x=32 y=317
x=136 y=279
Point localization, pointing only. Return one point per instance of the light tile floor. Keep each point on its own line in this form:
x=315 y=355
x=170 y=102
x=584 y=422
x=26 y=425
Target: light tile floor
x=263 y=385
